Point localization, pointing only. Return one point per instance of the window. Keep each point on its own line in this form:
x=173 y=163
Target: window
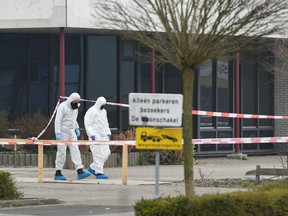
x=266 y=93
x=13 y=74
x=258 y=98
x=225 y=147
x=249 y=88
x=207 y=147
x=206 y=93
x=128 y=49
x=101 y=77
x=223 y=92
x=127 y=85
x=172 y=80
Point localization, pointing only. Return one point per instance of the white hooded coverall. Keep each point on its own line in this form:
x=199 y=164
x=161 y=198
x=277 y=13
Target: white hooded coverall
x=65 y=125
x=96 y=124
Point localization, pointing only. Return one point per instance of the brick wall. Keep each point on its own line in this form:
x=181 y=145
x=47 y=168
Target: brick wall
x=281 y=108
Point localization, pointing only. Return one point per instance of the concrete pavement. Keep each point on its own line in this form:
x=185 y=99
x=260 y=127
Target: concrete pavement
x=140 y=183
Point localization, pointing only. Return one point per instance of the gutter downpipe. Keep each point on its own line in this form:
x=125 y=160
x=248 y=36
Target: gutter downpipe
x=62 y=62
x=237 y=100
x=152 y=77
x=62 y=55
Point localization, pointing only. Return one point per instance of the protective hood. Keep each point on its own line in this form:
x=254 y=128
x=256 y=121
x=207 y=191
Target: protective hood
x=66 y=119
x=100 y=101
x=72 y=97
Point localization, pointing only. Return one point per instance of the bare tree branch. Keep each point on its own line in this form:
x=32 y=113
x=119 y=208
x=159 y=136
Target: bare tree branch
x=280 y=52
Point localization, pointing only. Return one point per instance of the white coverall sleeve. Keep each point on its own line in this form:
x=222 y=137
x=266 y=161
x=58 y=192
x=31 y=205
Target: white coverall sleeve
x=76 y=124
x=58 y=120
x=88 y=122
x=108 y=131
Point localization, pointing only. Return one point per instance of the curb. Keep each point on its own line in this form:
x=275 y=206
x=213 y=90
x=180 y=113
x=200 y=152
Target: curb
x=28 y=202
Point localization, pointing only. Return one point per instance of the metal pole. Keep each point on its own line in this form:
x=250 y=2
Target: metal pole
x=157 y=151
x=237 y=100
x=157 y=173
x=62 y=62
x=152 y=72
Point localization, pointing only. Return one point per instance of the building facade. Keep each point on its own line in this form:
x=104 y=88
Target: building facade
x=98 y=63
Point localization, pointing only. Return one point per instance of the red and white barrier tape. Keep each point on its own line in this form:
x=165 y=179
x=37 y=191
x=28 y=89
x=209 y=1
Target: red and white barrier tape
x=109 y=103
x=41 y=133
x=118 y=104
x=63 y=142
x=133 y=143
x=241 y=140
x=236 y=115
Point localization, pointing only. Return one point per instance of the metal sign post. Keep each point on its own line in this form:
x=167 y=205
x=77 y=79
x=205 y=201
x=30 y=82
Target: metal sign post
x=157 y=174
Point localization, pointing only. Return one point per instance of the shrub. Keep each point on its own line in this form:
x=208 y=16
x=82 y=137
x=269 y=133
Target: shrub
x=30 y=126
x=124 y=135
x=167 y=157
x=8 y=190
x=269 y=200
x=4 y=125
x=27 y=126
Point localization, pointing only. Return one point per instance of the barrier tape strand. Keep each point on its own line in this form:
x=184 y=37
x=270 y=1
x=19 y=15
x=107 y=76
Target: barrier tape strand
x=133 y=142
x=43 y=131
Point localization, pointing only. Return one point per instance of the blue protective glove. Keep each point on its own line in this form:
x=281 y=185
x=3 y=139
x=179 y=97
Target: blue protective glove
x=93 y=137
x=58 y=136
x=77 y=131
x=108 y=135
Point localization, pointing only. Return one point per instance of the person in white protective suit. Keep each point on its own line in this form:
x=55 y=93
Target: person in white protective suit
x=97 y=128
x=67 y=128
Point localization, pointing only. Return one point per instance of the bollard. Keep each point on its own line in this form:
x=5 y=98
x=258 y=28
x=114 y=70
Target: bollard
x=40 y=163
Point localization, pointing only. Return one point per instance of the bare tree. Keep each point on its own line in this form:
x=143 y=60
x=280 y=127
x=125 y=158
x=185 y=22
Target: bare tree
x=279 y=50
x=189 y=32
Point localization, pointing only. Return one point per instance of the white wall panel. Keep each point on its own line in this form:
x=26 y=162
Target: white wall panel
x=80 y=14
x=32 y=13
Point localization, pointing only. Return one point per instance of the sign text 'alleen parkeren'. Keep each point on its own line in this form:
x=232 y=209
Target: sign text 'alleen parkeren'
x=155 y=109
